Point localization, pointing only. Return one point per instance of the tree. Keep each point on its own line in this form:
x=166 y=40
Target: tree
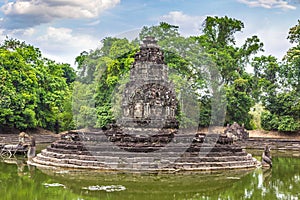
x=218 y=41
x=18 y=91
x=291 y=72
x=34 y=89
x=162 y=33
x=278 y=87
x=292 y=58
x=239 y=102
x=83 y=105
x=226 y=67
x=103 y=69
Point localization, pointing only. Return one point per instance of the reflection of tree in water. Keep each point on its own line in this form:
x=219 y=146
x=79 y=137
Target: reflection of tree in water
x=280 y=182
x=286 y=180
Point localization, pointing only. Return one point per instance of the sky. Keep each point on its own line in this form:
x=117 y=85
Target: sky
x=62 y=29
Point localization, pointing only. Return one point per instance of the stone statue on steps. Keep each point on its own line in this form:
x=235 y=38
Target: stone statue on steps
x=236 y=131
x=266 y=159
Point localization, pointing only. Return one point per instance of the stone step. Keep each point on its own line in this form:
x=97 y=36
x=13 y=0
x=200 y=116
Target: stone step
x=39 y=162
x=178 y=138
x=116 y=164
x=138 y=168
x=107 y=159
x=72 y=144
x=104 y=146
x=215 y=166
x=142 y=157
x=125 y=163
x=78 y=162
x=170 y=152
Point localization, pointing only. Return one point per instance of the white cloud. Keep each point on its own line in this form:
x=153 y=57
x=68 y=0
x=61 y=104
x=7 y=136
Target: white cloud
x=59 y=8
x=188 y=25
x=275 y=42
x=274 y=38
x=62 y=45
x=268 y=4
x=59 y=44
x=35 y=12
x=29 y=32
x=19 y=33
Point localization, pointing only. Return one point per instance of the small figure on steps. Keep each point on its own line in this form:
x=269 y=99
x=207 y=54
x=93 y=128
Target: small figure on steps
x=266 y=159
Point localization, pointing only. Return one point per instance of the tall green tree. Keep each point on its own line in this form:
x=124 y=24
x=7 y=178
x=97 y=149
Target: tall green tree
x=226 y=66
x=34 y=89
x=278 y=84
x=292 y=58
x=103 y=69
x=18 y=91
x=219 y=43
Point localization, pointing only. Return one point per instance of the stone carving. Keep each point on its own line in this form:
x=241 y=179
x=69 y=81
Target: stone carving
x=149 y=52
x=149 y=99
x=236 y=132
x=266 y=159
x=213 y=138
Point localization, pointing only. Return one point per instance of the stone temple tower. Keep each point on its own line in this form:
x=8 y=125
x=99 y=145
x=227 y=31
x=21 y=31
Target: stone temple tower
x=149 y=99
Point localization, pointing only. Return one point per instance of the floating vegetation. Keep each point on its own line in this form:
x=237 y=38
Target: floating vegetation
x=54 y=185
x=233 y=178
x=107 y=188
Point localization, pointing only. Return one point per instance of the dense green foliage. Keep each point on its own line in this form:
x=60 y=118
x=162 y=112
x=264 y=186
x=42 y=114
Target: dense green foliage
x=208 y=72
x=34 y=91
x=230 y=62
x=278 y=86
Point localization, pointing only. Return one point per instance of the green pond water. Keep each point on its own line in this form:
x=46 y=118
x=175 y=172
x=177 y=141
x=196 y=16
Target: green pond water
x=19 y=181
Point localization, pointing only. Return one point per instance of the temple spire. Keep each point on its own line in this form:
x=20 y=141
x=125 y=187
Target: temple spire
x=149 y=52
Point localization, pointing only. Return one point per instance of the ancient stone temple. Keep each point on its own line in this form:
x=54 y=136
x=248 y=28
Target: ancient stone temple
x=146 y=137
x=149 y=103
x=149 y=100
